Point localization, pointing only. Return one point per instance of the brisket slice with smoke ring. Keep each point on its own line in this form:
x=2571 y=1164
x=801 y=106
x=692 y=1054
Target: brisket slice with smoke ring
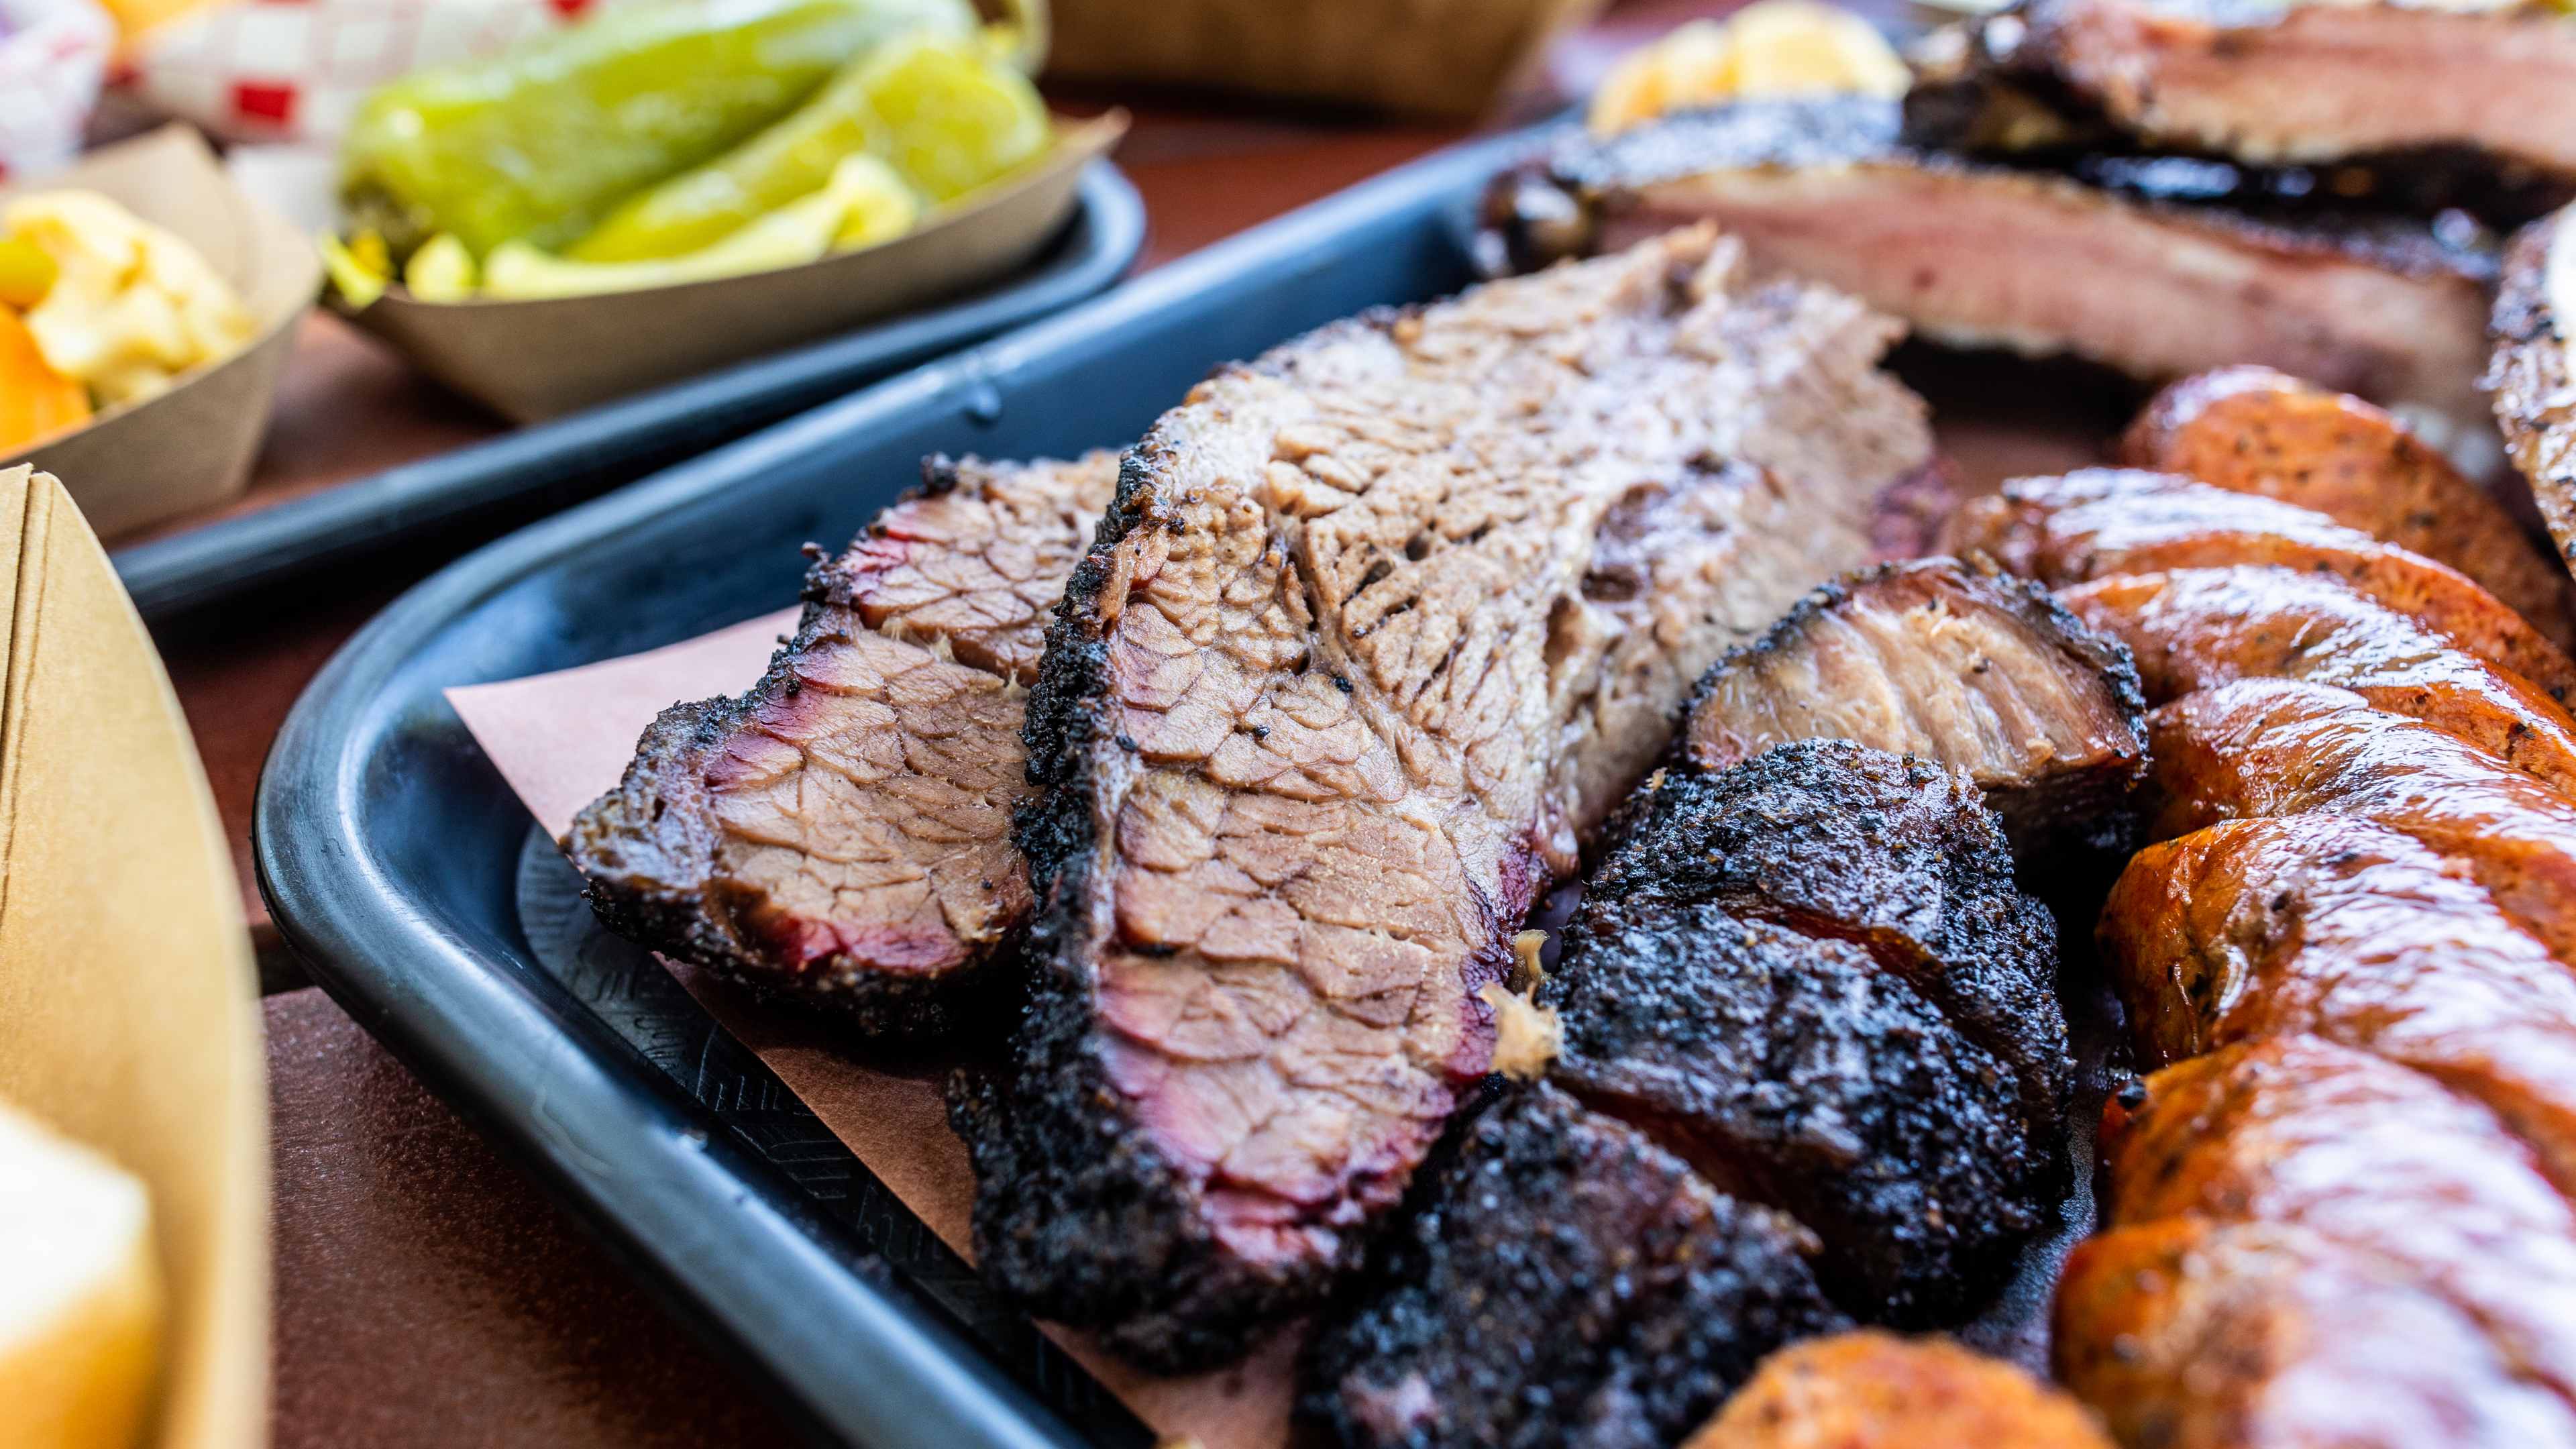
x=1987 y=256
x=1363 y=652
x=1564 y=1281
x=1955 y=663
x=840 y=835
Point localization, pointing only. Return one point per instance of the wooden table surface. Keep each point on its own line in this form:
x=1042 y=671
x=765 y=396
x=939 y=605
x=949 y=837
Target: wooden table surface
x=427 y=1294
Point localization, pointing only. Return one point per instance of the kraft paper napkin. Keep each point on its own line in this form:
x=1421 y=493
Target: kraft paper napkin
x=129 y=1010
x=895 y=1122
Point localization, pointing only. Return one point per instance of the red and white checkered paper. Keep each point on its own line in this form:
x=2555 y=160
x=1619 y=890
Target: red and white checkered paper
x=52 y=55
x=295 y=70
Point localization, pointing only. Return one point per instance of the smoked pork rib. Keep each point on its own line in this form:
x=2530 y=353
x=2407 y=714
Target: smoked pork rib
x=1989 y=256
x=2269 y=81
x=1870 y=1389
x=1565 y=1281
x=2253 y=430
x=1955 y=663
x=2104 y=521
x=2193 y=628
x=840 y=835
x=2348 y=931
x=1341 y=686
x=2532 y=374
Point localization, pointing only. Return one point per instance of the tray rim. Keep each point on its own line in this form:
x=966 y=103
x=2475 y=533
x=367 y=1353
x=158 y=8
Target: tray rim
x=471 y=1025
x=188 y=572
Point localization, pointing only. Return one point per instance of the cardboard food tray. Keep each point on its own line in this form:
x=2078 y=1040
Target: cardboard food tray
x=728 y=1148
x=129 y=1014
x=191 y=447
x=537 y=359
x=521 y=474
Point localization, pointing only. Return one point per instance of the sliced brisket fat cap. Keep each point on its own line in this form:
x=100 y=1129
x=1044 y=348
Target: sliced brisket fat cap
x=2532 y=375
x=1958 y=664
x=1564 y=1281
x=840 y=835
x=1989 y=256
x=1814 y=974
x=1363 y=651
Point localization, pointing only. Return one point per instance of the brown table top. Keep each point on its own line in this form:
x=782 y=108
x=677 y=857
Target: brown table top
x=426 y=1294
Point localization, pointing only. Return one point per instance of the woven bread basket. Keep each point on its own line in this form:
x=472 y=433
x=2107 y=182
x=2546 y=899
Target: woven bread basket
x=1435 y=57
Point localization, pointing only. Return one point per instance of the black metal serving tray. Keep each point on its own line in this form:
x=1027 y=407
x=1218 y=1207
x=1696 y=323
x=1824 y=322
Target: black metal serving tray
x=404 y=872
x=586 y=452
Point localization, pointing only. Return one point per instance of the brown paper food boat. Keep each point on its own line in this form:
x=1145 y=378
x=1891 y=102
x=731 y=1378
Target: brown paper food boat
x=192 y=447
x=129 y=1012
x=531 y=360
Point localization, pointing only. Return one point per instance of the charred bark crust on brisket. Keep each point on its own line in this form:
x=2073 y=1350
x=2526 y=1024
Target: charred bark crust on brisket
x=1565 y=1281
x=1326 y=707
x=1899 y=858
x=837 y=836
x=1802 y=1073
x=1974 y=668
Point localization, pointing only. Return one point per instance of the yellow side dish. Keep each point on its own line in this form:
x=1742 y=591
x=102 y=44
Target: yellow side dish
x=1771 y=48
x=132 y=306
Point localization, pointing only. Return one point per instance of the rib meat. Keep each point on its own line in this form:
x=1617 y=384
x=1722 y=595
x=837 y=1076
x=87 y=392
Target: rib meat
x=1565 y=1282
x=1954 y=663
x=2273 y=747
x=2274 y=1132
x=2276 y=81
x=1341 y=686
x=2104 y=521
x=841 y=834
x=2194 y=628
x=1989 y=256
x=2348 y=931
x=2533 y=372
x=1872 y=1390
x=2253 y=430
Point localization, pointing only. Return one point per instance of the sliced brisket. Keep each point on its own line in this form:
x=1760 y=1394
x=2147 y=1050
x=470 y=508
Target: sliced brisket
x=841 y=834
x=1564 y=1282
x=1990 y=256
x=1365 y=648
x=1956 y=663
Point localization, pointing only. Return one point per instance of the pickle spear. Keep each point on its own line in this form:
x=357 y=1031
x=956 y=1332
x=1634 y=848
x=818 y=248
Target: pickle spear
x=538 y=145
x=948 y=116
